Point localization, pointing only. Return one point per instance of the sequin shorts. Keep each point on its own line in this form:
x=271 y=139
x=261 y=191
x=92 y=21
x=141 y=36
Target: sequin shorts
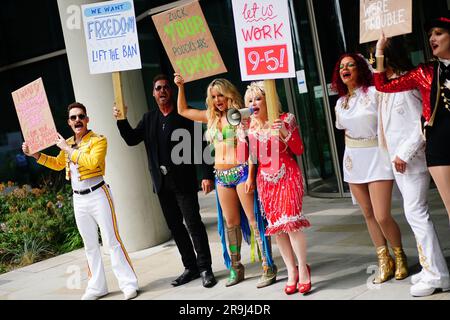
x=230 y=178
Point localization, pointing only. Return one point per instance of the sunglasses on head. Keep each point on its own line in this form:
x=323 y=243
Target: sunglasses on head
x=158 y=88
x=79 y=116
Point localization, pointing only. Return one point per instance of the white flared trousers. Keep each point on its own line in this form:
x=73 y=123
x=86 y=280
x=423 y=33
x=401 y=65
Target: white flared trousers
x=414 y=189
x=96 y=210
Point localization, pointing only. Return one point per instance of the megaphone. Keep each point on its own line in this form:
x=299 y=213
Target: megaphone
x=235 y=116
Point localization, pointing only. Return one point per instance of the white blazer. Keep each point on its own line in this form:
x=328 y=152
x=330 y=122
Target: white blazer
x=399 y=116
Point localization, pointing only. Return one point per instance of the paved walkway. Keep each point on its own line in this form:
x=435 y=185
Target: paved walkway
x=341 y=256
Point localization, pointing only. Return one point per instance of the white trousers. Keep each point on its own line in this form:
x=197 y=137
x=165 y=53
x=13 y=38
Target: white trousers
x=414 y=188
x=92 y=211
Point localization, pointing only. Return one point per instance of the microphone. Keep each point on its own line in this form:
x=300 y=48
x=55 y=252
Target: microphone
x=235 y=116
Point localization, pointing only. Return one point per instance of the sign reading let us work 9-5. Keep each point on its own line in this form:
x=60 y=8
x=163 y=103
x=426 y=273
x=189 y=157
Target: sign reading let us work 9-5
x=111 y=36
x=263 y=37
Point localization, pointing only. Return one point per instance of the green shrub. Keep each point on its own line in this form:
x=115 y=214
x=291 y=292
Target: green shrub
x=35 y=223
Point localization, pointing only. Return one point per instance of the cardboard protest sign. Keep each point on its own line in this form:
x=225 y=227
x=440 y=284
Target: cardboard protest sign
x=264 y=39
x=188 y=42
x=394 y=17
x=111 y=36
x=35 y=117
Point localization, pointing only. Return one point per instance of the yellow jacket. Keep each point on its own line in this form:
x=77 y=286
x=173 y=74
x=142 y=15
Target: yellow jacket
x=90 y=157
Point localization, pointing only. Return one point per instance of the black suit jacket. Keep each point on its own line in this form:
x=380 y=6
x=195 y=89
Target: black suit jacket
x=185 y=173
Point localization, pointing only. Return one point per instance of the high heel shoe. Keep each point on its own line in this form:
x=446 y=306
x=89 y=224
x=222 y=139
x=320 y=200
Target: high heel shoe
x=291 y=289
x=401 y=264
x=386 y=265
x=305 y=287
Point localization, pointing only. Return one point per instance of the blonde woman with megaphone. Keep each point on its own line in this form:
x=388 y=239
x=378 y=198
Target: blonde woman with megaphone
x=235 y=185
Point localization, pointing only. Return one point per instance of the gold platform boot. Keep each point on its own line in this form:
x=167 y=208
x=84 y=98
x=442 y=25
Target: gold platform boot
x=401 y=264
x=269 y=275
x=385 y=265
x=234 y=243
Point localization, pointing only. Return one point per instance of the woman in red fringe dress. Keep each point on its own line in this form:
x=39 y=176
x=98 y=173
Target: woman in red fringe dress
x=280 y=185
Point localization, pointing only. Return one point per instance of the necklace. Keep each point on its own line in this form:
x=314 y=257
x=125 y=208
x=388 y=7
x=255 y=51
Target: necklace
x=445 y=99
x=163 y=121
x=347 y=99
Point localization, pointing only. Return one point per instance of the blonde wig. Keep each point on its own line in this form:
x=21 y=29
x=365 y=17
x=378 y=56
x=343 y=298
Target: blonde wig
x=254 y=89
x=229 y=91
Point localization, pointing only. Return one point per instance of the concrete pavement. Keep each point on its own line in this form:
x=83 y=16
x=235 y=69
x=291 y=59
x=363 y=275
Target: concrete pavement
x=340 y=253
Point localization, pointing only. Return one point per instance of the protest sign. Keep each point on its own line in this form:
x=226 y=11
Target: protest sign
x=112 y=42
x=264 y=40
x=111 y=36
x=35 y=117
x=394 y=17
x=188 y=42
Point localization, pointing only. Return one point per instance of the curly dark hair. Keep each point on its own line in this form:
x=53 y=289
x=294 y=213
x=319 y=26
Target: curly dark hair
x=396 y=56
x=365 y=77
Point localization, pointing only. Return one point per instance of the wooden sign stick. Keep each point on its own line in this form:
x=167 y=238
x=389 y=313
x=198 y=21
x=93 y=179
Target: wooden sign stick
x=118 y=94
x=272 y=102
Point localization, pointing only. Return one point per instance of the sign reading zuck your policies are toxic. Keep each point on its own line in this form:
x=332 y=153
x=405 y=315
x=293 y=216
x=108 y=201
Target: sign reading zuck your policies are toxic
x=111 y=36
x=188 y=42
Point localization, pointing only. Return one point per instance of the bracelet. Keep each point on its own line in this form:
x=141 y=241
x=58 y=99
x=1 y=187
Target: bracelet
x=287 y=137
x=380 y=63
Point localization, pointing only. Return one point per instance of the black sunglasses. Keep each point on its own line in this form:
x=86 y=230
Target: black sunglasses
x=79 y=116
x=158 y=88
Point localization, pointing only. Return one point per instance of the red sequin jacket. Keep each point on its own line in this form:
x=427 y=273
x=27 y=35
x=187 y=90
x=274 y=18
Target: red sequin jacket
x=420 y=78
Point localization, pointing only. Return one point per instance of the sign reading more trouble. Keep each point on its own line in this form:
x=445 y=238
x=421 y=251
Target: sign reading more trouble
x=111 y=36
x=394 y=17
x=188 y=42
x=35 y=117
x=264 y=40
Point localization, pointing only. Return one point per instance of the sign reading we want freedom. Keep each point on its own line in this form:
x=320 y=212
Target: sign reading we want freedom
x=188 y=42
x=394 y=17
x=35 y=117
x=111 y=36
x=264 y=40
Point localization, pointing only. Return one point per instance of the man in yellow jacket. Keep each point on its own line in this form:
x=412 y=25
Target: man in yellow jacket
x=83 y=158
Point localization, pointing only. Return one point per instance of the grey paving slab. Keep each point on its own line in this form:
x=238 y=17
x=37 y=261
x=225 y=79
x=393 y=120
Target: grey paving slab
x=340 y=253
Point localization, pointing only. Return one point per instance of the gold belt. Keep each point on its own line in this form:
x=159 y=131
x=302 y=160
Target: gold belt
x=361 y=143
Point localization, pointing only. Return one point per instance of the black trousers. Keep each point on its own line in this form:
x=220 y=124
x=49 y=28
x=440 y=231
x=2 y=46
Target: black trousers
x=176 y=205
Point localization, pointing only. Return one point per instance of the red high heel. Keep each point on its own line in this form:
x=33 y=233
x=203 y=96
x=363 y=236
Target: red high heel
x=305 y=287
x=291 y=289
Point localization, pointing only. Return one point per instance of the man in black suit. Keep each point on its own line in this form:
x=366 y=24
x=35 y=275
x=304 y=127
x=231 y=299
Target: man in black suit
x=175 y=184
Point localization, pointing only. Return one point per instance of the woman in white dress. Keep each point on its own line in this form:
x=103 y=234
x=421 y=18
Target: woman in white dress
x=367 y=167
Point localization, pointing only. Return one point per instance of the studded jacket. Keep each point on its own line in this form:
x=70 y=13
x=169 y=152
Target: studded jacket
x=89 y=155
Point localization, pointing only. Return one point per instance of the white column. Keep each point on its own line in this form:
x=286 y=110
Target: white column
x=139 y=215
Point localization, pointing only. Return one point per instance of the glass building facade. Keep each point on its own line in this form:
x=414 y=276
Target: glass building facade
x=32 y=46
